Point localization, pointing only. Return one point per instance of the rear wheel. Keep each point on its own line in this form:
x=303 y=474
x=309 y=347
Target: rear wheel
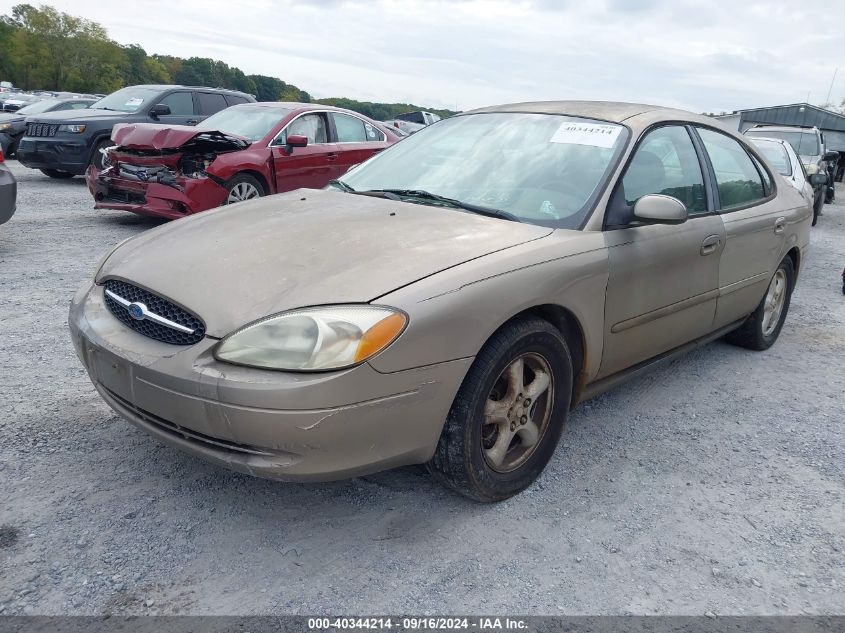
x=507 y=418
x=55 y=173
x=243 y=187
x=763 y=326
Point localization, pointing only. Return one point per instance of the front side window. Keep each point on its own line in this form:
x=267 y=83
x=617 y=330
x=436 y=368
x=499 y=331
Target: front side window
x=666 y=163
x=737 y=178
x=312 y=126
x=180 y=103
x=544 y=169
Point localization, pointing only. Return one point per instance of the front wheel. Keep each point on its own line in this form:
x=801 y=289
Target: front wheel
x=55 y=173
x=763 y=326
x=243 y=187
x=509 y=413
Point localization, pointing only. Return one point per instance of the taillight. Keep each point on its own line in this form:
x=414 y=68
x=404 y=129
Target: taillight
x=1 y=154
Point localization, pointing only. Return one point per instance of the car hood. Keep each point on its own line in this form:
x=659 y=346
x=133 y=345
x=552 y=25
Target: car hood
x=244 y=262
x=159 y=137
x=79 y=115
x=10 y=117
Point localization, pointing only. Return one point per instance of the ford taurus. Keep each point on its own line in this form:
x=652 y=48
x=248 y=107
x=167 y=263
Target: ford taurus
x=448 y=301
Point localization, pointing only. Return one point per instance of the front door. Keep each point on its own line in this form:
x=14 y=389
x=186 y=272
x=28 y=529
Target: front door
x=664 y=279
x=309 y=167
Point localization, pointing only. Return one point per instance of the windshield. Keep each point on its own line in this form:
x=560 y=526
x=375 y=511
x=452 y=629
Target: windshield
x=39 y=106
x=776 y=154
x=251 y=122
x=129 y=99
x=804 y=143
x=542 y=168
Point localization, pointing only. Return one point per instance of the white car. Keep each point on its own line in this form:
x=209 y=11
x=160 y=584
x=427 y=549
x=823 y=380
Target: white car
x=782 y=157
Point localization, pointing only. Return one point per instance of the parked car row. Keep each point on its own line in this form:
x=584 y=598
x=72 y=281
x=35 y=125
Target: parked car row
x=819 y=164
x=446 y=302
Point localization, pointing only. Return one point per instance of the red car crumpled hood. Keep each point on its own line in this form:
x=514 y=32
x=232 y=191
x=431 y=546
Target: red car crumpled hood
x=134 y=136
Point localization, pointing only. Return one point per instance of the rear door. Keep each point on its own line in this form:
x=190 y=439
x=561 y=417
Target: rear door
x=664 y=279
x=305 y=167
x=759 y=221
x=209 y=103
x=357 y=140
x=182 y=108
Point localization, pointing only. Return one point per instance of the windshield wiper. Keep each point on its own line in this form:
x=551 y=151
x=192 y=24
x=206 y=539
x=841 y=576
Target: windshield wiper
x=342 y=185
x=421 y=194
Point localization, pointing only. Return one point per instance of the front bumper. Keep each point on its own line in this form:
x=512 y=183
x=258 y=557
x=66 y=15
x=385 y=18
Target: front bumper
x=62 y=154
x=152 y=198
x=8 y=195
x=277 y=425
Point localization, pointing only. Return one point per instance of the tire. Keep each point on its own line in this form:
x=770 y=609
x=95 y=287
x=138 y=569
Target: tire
x=466 y=457
x=243 y=187
x=55 y=173
x=12 y=150
x=818 y=202
x=757 y=333
x=97 y=155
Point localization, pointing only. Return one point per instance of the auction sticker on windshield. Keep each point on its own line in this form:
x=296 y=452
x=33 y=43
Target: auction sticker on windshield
x=592 y=134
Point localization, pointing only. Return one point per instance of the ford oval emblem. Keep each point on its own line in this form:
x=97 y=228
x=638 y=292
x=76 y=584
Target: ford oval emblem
x=137 y=311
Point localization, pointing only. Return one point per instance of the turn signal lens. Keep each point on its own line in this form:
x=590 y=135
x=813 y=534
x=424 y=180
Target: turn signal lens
x=380 y=336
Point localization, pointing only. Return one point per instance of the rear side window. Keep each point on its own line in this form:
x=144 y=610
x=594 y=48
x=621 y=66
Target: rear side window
x=180 y=103
x=351 y=129
x=235 y=99
x=211 y=103
x=666 y=163
x=739 y=183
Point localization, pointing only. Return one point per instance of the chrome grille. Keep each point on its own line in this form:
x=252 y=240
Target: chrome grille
x=157 y=306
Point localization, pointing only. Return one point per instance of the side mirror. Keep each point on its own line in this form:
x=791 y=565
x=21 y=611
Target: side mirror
x=831 y=156
x=159 y=109
x=296 y=140
x=659 y=209
x=819 y=178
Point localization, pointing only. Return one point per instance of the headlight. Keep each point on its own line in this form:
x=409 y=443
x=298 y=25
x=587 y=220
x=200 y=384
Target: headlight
x=314 y=339
x=812 y=168
x=73 y=128
x=5 y=126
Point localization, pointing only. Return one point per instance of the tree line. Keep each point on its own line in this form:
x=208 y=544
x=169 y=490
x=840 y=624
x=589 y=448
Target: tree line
x=46 y=49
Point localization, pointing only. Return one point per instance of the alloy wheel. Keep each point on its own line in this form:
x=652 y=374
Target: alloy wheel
x=775 y=299
x=517 y=412
x=242 y=191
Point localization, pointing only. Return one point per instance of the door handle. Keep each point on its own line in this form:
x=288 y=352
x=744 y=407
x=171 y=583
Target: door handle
x=192 y=121
x=710 y=244
x=331 y=156
x=780 y=225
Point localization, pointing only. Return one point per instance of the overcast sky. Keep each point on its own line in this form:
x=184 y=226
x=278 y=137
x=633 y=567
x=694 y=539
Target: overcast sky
x=701 y=55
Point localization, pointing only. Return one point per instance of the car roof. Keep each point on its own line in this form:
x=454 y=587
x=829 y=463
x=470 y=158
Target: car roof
x=613 y=111
x=782 y=128
x=172 y=86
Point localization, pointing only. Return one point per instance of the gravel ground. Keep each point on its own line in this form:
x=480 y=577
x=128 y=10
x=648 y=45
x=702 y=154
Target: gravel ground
x=712 y=485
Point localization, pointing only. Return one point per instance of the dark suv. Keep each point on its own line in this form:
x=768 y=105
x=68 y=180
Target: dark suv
x=63 y=144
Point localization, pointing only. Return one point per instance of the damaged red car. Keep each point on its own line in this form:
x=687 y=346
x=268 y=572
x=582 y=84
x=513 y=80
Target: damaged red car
x=245 y=151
